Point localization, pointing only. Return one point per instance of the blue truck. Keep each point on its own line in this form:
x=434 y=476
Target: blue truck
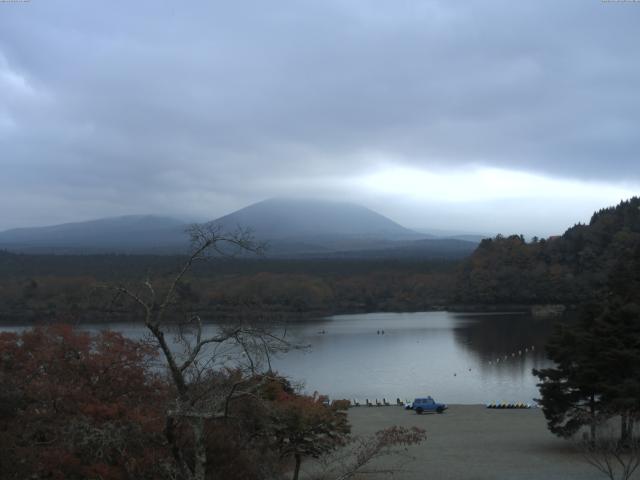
x=427 y=404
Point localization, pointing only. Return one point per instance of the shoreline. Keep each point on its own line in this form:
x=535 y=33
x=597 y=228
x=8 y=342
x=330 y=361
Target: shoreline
x=34 y=318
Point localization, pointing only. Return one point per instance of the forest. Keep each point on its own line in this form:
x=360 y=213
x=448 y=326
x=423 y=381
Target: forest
x=505 y=270
x=566 y=269
x=76 y=288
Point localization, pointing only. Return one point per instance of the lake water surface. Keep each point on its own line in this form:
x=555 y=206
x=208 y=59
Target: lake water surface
x=455 y=357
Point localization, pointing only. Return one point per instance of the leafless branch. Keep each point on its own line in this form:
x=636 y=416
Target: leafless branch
x=362 y=451
x=200 y=397
x=610 y=456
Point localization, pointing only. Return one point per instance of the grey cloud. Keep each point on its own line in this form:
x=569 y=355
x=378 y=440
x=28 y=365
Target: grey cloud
x=225 y=100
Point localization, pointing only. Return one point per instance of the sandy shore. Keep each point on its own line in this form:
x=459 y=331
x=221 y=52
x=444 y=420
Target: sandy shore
x=470 y=442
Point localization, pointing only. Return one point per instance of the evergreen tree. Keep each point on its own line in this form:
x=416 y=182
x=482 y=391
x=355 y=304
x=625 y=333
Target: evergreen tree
x=571 y=391
x=597 y=372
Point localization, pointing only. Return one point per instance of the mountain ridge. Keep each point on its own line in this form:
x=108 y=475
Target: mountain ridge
x=133 y=231
x=292 y=218
x=291 y=227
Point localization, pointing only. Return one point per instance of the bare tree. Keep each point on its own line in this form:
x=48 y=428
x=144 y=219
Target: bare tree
x=361 y=452
x=195 y=353
x=613 y=457
x=210 y=367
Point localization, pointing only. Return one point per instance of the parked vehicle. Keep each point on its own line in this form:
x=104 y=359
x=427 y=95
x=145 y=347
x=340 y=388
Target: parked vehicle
x=427 y=404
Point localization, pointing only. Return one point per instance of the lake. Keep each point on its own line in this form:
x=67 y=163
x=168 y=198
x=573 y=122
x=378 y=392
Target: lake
x=455 y=357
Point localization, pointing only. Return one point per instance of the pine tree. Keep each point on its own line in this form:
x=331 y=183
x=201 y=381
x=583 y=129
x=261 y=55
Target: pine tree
x=571 y=391
x=597 y=372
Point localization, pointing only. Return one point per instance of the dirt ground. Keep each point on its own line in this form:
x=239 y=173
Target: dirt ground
x=471 y=442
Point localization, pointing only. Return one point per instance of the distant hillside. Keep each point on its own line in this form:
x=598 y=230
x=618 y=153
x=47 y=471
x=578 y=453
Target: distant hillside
x=291 y=228
x=133 y=234
x=317 y=228
x=430 y=248
x=457 y=235
x=281 y=218
x=467 y=237
x=564 y=269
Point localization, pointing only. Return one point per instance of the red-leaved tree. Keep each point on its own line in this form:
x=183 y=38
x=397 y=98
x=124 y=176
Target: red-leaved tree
x=76 y=406
x=305 y=427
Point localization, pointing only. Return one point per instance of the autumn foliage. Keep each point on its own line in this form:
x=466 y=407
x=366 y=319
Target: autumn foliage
x=305 y=427
x=74 y=406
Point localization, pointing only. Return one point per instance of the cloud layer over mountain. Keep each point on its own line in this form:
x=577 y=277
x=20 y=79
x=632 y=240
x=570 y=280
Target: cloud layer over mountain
x=198 y=108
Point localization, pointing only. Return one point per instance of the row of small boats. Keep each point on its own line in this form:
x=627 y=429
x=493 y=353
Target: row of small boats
x=509 y=405
x=378 y=403
x=385 y=403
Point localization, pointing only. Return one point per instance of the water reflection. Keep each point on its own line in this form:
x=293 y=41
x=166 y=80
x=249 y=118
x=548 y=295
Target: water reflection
x=507 y=341
x=460 y=358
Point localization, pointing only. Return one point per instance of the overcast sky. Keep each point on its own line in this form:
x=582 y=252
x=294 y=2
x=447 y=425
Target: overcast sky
x=476 y=115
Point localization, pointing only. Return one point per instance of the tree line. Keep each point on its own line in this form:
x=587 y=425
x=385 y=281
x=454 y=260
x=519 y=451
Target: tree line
x=289 y=288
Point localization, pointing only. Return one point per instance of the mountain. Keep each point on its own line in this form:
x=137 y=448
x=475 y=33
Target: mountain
x=282 y=218
x=317 y=227
x=449 y=234
x=290 y=227
x=329 y=229
x=130 y=234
